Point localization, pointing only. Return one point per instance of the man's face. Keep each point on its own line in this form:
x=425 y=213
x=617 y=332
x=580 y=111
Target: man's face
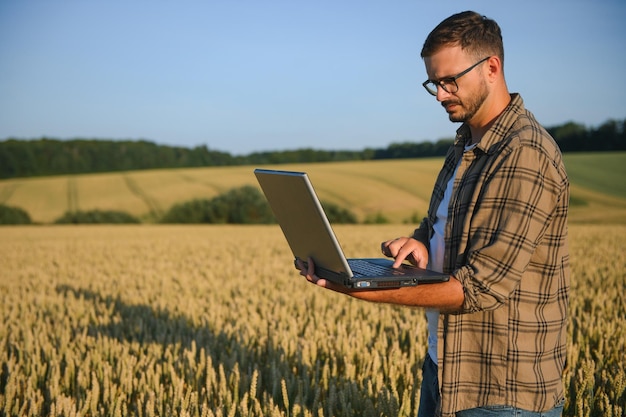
x=465 y=104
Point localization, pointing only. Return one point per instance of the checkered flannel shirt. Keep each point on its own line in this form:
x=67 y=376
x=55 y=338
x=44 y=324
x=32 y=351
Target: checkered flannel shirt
x=506 y=242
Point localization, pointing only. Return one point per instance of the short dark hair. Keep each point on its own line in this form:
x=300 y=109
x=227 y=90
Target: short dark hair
x=473 y=32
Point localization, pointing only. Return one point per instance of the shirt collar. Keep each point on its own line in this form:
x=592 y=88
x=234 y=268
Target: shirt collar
x=497 y=130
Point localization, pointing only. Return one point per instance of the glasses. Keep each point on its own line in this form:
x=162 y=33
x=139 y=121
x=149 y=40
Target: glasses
x=449 y=84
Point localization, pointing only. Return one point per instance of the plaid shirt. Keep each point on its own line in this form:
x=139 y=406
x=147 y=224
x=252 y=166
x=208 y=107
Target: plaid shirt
x=506 y=242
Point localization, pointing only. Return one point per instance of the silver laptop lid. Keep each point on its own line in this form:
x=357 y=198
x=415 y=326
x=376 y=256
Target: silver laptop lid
x=302 y=219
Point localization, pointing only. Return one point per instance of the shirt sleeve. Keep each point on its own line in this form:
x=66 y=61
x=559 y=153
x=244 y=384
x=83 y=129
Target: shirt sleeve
x=514 y=206
x=423 y=232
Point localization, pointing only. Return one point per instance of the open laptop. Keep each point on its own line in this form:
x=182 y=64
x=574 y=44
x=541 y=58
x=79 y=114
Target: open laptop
x=309 y=234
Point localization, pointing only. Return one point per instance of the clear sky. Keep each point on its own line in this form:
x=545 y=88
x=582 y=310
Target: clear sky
x=242 y=75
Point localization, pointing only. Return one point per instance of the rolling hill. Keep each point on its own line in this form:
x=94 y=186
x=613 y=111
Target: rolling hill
x=397 y=189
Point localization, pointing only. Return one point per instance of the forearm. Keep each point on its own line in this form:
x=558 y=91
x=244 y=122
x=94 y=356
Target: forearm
x=446 y=296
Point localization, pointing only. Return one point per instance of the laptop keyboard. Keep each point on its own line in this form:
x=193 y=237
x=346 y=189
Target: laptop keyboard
x=363 y=268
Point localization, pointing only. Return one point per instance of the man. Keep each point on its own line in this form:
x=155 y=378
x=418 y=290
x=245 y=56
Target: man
x=497 y=223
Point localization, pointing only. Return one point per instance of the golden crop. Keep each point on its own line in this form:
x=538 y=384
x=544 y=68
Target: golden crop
x=215 y=321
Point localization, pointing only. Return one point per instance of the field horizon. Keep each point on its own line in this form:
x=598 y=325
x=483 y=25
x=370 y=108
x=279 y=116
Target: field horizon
x=398 y=190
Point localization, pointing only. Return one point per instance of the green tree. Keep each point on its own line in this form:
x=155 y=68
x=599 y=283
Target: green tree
x=96 y=217
x=338 y=215
x=244 y=205
x=13 y=215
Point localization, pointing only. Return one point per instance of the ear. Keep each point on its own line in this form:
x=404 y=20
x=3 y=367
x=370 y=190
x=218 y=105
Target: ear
x=494 y=68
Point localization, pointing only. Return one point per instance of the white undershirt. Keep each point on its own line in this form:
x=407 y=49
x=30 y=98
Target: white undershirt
x=435 y=259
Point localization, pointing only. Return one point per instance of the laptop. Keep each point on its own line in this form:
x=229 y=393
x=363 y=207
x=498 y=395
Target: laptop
x=309 y=234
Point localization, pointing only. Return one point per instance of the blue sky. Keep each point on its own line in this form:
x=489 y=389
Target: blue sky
x=243 y=76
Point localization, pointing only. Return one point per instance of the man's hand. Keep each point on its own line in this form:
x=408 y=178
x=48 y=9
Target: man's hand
x=406 y=248
x=445 y=296
x=308 y=271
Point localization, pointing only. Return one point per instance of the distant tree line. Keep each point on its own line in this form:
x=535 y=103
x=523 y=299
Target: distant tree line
x=573 y=137
x=46 y=156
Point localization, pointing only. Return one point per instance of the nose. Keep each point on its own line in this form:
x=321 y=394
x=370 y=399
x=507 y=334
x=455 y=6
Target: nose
x=441 y=93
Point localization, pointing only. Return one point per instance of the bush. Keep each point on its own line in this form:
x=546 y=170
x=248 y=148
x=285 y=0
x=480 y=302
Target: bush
x=13 y=215
x=194 y=211
x=244 y=205
x=414 y=219
x=377 y=218
x=96 y=217
x=338 y=215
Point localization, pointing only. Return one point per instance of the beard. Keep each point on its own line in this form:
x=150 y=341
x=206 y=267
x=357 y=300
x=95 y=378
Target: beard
x=467 y=108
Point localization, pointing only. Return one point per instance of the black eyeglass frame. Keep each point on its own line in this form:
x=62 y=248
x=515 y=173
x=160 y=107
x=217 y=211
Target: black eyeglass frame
x=428 y=84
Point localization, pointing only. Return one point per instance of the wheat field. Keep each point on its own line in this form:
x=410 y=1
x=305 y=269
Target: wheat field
x=214 y=321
